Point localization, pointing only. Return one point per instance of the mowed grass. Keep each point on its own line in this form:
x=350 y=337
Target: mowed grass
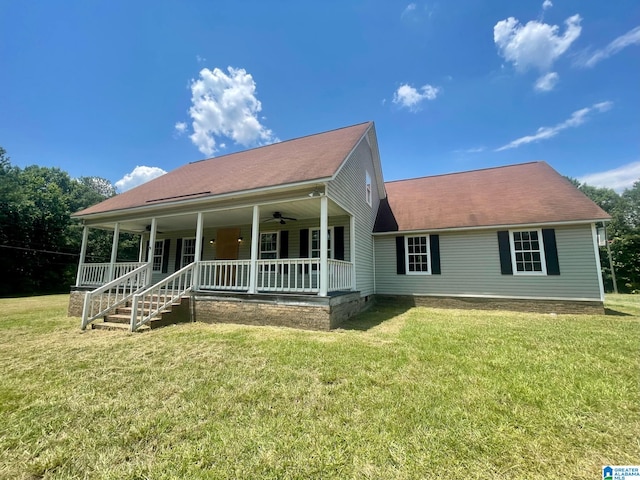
x=398 y=393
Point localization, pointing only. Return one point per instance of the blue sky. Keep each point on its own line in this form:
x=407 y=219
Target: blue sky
x=103 y=87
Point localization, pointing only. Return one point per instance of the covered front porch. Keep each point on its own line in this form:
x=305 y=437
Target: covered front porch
x=296 y=246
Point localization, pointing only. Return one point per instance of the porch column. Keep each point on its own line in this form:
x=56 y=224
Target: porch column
x=151 y=249
x=141 y=252
x=352 y=236
x=255 y=241
x=83 y=254
x=324 y=244
x=198 y=253
x=114 y=250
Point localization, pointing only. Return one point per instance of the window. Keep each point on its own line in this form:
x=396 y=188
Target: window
x=418 y=254
x=269 y=245
x=314 y=243
x=188 y=251
x=158 y=254
x=527 y=252
x=368 y=188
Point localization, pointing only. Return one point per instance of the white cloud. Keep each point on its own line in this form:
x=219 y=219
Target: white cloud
x=181 y=127
x=576 y=119
x=471 y=150
x=141 y=174
x=547 y=4
x=547 y=82
x=618 y=179
x=200 y=59
x=534 y=45
x=632 y=37
x=226 y=106
x=411 y=98
x=408 y=9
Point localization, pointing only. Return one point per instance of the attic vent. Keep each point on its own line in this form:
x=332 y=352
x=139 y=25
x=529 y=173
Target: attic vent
x=178 y=196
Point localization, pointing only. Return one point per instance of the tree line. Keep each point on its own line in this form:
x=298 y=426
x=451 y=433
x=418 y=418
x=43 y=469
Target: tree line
x=40 y=242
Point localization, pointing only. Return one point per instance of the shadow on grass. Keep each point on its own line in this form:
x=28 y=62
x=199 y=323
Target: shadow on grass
x=617 y=313
x=381 y=311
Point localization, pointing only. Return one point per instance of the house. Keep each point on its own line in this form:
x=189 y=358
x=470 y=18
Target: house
x=306 y=233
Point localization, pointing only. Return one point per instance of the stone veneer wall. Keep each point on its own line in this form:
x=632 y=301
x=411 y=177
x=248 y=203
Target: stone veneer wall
x=76 y=303
x=313 y=313
x=513 y=304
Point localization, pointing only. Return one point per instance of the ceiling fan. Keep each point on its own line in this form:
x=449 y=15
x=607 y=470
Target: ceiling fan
x=278 y=217
x=148 y=229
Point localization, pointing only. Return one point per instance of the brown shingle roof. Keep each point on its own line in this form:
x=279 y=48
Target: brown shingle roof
x=303 y=159
x=529 y=193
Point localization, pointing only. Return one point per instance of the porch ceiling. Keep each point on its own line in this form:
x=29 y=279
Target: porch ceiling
x=299 y=209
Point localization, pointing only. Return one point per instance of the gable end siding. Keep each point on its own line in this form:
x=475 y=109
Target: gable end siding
x=348 y=189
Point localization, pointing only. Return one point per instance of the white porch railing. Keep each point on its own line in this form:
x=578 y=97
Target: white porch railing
x=97 y=274
x=298 y=275
x=108 y=297
x=159 y=297
x=225 y=275
x=295 y=275
x=340 y=275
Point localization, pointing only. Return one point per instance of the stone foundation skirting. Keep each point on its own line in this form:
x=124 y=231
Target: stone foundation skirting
x=76 y=301
x=296 y=311
x=513 y=304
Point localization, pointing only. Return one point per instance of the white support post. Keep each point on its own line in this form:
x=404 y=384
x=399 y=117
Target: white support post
x=114 y=250
x=324 y=245
x=352 y=253
x=152 y=245
x=255 y=243
x=83 y=254
x=198 y=253
x=141 y=252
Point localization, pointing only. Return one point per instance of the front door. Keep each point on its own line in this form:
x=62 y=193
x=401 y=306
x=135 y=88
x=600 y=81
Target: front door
x=227 y=244
x=227 y=247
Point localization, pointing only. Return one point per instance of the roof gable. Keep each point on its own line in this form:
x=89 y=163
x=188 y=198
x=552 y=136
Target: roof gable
x=304 y=159
x=529 y=193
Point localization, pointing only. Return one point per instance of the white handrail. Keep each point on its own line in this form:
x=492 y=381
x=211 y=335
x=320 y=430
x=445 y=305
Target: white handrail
x=340 y=275
x=159 y=297
x=106 y=298
x=96 y=274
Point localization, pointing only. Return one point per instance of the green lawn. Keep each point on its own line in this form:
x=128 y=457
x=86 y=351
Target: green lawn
x=418 y=393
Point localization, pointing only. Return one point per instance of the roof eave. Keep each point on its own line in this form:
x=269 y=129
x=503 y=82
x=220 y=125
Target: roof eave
x=196 y=201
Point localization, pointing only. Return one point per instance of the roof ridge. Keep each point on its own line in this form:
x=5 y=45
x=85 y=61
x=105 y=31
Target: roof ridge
x=465 y=171
x=281 y=142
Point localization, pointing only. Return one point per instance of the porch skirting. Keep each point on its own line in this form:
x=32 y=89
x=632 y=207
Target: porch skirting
x=286 y=310
x=492 y=303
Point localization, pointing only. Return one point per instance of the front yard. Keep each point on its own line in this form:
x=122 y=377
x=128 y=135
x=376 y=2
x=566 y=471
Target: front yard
x=397 y=393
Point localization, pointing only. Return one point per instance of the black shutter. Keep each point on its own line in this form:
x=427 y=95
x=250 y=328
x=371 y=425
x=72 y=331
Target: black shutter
x=505 y=253
x=338 y=243
x=165 y=256
x=304 y=243
x=401 y=268
x=178 y=254
x=434 y=247
x=146 y=252
x=551 y=251
x=284 y=244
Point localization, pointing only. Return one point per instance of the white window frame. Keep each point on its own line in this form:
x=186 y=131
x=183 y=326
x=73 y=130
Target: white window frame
x=157 y=256
x=408 y=254
x=368 y=189
x=512 y=245
x=184 y=255
x=276 y=251
x=331 y=241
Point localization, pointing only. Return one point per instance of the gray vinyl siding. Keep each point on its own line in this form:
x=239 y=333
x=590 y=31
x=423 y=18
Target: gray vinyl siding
x=348 y=190
x=470 y=266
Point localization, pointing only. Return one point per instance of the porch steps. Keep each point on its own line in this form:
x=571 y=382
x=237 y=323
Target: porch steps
x=179 y=312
